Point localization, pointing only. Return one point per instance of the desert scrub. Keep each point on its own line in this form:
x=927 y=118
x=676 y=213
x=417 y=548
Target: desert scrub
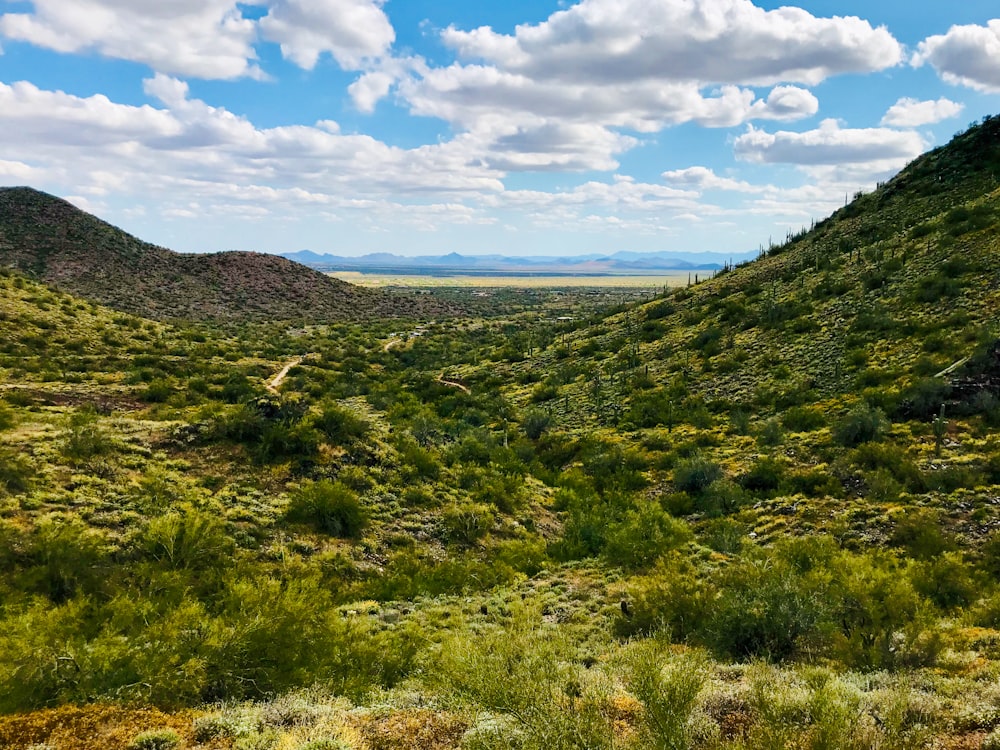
x=667 y=688
x=156 y=739
x=329 y=507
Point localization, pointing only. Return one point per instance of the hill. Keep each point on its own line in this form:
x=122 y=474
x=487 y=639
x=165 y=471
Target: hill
x=61 y=245
x=759 y=511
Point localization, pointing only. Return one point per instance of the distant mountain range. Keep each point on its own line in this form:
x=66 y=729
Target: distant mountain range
x=624 y=262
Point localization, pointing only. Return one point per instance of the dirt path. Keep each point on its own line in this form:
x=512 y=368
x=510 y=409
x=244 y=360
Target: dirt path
x=453 y=384
x=273 y=384
x=391 y=343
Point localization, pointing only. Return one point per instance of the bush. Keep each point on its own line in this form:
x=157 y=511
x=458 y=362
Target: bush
x=947 y=581
x=920 y=533
x=156 y=739
x=764 y=610
x=329 y=507
x=646 y=533
x=535 y=422
x=803 y=419
x=339 y=425
x=861 y=425
x=694 y=475
x=16 y=471
x=764 y=476
x=466 y=522
x=187 y=539
x=668 y=691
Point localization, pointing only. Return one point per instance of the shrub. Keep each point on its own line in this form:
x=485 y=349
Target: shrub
x=670 y=597
x=947 y=581
x=646 y=533
x=920 y=533
x=763 y=610
x=187 y=539
x=693 y=475
x=535 y=422
x=339 y=425
x=84 y=439
x=329 y=507
x=668 y=691
x=803 y=419
x=764 y=476
x=156 y=739
x=861 y=425
x=16 y=471
x=467 y=522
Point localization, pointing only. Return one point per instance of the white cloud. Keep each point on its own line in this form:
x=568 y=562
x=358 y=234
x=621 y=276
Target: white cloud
x=911 y=113
x=703 y=178
x=369 y=89
x=608 y=42
x=350 y=30
x=200 y=38
x=640 y=66
x=965 y=56
x=830 y=145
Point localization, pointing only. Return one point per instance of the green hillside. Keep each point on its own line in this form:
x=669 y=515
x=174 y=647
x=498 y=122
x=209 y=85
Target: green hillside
x=762 y=511
x=59 y=244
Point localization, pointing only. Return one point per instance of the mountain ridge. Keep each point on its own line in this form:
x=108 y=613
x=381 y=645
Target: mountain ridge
x=52 y=240
x=621 y=262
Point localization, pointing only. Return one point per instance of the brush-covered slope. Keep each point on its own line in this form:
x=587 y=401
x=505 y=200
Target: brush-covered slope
x=62 y=245
x=895 y=287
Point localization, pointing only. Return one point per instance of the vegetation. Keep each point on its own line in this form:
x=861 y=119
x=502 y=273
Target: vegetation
x=758 y=511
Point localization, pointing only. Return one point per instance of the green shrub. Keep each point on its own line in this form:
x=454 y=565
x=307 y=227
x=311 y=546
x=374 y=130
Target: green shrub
x=187 y=538
x=329 y=507
x=764 y=476
x=922 y=535
x=467 y=522
x=535 y=422
x=84 y=439
x=764 y=610
x=861 y=425
x=813 y=482
x=668 y=690
x=947 y=580
x=16 y=471
x=340 y=425
x=155 y=739
x=671 y=598
x=646 y=533
x=694 y=475
x=803 y=419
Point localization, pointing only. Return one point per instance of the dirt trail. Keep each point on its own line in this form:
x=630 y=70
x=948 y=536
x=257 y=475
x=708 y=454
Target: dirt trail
x=391 y=343
x=453 y=384
x=273 y=384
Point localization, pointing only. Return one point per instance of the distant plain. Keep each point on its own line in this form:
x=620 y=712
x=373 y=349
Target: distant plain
x=359 y=278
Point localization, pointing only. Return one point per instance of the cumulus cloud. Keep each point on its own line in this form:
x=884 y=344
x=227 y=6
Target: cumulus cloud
x=640 y=66
x=703 y=178
x=965 y=56
x=200 y=38
x=206 y=38
x=706 y=41
x=912 y=113
x=185 y=147
x=829 y=144
x=350 y=30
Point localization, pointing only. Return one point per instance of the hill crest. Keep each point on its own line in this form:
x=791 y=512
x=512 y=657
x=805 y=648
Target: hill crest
x=57 y=243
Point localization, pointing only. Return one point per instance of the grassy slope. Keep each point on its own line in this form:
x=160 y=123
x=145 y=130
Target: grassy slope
x=61 y=245
x=875 y=301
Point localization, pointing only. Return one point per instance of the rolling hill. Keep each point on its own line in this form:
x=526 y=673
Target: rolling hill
x=59 y=244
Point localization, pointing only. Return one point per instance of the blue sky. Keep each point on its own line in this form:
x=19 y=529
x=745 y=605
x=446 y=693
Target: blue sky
x=411 y=126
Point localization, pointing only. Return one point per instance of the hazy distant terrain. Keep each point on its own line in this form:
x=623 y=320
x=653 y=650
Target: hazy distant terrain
x=453 y=264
